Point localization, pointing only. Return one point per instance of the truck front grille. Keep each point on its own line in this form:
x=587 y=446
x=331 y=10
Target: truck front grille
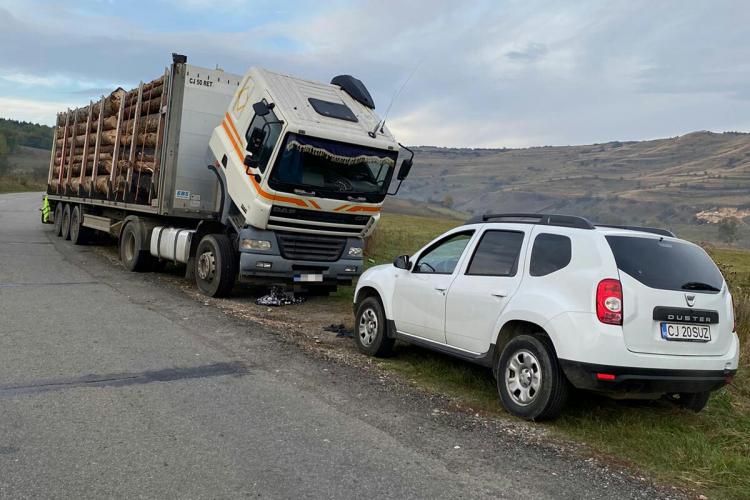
x=298 y=246
x=330 y=223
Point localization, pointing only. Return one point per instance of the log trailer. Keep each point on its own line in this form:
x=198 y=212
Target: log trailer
x=263 y=177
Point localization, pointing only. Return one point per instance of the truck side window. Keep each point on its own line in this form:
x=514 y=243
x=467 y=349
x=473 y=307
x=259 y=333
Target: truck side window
x=443 y=257
x=496 y=254
x=550 y=253
x=272 y=136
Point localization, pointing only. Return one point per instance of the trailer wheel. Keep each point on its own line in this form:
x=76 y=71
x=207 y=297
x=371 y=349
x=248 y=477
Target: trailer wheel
x=78 y=233
x=58 y=219
x=65 y=232
x=132 y=253
x=215 y=266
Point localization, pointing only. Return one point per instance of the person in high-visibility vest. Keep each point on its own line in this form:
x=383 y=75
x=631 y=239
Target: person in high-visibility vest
x=45 y=210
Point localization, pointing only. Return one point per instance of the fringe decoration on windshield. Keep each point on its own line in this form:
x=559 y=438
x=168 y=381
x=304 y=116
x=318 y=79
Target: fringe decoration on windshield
x=346 y=160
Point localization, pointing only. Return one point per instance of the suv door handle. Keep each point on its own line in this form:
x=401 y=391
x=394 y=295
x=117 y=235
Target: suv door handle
x=499 y=293
x=441 y=290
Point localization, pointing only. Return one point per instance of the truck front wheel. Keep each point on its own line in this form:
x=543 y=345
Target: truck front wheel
x=215 y=266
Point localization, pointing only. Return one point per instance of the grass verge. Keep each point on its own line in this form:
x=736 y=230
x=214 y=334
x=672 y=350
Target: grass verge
x=20 y=183
x=709 y=451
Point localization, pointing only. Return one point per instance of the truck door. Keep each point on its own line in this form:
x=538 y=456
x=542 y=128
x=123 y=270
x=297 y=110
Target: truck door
x=480 y=292
x=419 y=298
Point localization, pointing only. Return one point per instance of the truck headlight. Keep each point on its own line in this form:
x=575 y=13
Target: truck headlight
x=355 y=252
x=255 y=245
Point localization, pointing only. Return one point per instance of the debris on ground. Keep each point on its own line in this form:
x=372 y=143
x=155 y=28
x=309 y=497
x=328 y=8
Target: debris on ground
x=278 y=297
x=340 y=330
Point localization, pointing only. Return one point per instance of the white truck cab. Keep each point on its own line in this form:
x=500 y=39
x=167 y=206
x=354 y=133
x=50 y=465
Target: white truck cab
x=307 y=166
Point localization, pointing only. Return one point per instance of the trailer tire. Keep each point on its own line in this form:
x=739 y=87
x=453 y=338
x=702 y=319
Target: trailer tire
x=58 y=219
x=132 y=254
x=215 y=265
x=65 y=230
x=78 y=234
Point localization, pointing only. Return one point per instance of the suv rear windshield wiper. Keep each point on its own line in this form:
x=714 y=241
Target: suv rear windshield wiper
x=697 y=285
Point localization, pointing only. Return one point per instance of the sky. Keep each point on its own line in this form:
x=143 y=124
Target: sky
x=493 y=73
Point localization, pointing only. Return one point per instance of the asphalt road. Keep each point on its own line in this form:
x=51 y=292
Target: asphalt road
x=114 y=386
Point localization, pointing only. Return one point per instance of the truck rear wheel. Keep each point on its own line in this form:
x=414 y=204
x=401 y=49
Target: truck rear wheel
x=58 y=219
x=65 y=231
x=215 y=266
x=78 y=233
x=132 y=251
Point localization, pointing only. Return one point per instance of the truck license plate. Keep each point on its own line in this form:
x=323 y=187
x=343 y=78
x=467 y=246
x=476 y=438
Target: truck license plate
x=308 y=278
x=685 y=332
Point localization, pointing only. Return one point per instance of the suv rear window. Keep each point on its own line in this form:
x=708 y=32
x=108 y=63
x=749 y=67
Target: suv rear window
x=666 y=265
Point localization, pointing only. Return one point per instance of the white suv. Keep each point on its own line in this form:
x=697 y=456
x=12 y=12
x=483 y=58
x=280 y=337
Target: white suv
x=549 y=301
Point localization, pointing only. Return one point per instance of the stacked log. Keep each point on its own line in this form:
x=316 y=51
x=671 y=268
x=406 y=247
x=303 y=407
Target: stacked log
x=118 y=154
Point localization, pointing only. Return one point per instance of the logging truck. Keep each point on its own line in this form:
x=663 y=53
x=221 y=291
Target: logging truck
x=263 y=177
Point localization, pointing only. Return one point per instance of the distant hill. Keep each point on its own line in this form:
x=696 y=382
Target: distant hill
x=665 y=181
x=23 y=145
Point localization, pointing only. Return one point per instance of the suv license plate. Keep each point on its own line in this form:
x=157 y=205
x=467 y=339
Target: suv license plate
x=685 y=332
x=308 y=278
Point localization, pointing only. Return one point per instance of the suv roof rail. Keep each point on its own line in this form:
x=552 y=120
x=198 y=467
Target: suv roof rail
x=542 y=219
x=642 y=229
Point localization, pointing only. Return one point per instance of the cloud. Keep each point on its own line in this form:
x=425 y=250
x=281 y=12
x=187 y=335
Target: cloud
x=531 y=52
x=30 y=110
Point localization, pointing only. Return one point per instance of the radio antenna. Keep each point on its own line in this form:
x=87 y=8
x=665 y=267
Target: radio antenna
x=379 y=127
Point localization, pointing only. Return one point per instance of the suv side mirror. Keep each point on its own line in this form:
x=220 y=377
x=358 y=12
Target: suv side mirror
x=403 y=172
x=402 y=262
x=256 y=140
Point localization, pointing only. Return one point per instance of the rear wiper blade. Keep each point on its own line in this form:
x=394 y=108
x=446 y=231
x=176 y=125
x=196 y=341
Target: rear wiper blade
x=698 y=285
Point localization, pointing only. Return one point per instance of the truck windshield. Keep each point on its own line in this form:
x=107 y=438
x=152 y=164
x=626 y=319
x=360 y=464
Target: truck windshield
x=332 y=169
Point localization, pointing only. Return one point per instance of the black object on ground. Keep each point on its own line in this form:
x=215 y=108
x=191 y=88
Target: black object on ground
x=278 y=297
x=340 y=330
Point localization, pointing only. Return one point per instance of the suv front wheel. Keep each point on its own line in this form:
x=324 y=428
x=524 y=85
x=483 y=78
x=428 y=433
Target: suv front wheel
x=370 y=332
x=529 y=379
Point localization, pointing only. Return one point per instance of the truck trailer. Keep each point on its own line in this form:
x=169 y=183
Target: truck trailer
x=265 y=177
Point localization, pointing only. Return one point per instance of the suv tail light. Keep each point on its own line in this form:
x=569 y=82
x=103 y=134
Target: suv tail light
x=609 y=302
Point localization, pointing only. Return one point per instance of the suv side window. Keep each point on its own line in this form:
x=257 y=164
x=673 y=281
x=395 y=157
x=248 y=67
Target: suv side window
x=443 y=257
x=550 y=253
x=272 y=136
x=496 y=254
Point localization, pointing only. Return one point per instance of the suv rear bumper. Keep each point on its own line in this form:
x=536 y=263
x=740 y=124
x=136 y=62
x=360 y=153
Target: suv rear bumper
x=643 y=380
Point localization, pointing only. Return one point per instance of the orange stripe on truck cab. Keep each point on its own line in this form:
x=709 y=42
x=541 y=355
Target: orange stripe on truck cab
x=363 y=209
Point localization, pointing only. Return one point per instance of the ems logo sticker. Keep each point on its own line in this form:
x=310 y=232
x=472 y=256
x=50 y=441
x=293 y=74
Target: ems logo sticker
x=182 y=195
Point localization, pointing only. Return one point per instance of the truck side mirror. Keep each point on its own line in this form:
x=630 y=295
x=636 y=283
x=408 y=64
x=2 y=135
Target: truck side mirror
x=255 y=143
x=403 y=172
x=251 y=162
x=402 y=262
x=261 y=108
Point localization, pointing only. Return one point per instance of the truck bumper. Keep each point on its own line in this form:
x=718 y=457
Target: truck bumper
x=607 y=378
x=254 y=266
x=271 y=265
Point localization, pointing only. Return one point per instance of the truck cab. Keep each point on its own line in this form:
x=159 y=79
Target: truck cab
x=305 y=167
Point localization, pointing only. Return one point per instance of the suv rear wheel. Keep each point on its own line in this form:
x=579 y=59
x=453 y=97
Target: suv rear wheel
x=530 y=382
